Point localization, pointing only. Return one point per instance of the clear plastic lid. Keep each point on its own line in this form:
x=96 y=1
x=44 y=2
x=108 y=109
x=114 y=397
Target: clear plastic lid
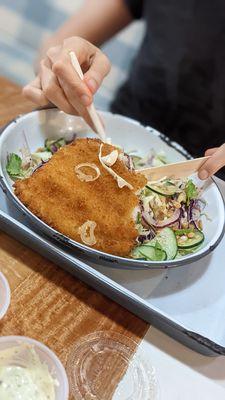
x=4 y=295
x=98 y=363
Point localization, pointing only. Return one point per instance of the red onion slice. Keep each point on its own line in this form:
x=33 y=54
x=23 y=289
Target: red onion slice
x=162 y=224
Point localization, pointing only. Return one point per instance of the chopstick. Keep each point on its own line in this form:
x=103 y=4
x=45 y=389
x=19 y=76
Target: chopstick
x=176 y=170
x=91 y=109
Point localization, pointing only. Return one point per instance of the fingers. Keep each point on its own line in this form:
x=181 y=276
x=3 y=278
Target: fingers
x=99 y=69
x=214 y=164
x=63 y=69
x=58 y=82
x=76 y=91
x=34 y=93
x=53 y=91
x=75 y=96
x=210 y=152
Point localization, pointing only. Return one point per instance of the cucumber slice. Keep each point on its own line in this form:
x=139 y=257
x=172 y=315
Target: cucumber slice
x=167 y=190
x=186 y=252
x=196 y=240
x=151 y=254
x=168 y=242
x=181 y=232
x=136 y=254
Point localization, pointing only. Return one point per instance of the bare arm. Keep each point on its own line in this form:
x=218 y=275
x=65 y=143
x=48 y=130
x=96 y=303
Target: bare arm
x=96 y=21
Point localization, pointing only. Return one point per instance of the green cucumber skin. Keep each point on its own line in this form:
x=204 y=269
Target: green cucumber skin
x=136 y=254
x=175 y=239
x=143 y=253
x=160 y=193
x=187 y=252
x=140 y=254
x=162 y=242
x=198 y=243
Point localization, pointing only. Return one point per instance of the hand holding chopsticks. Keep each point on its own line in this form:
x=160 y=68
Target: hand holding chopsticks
x=57 y=84
x=91 y=109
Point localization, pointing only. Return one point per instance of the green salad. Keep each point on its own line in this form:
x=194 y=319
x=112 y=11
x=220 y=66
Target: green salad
x=169 y=217
x=23 y=165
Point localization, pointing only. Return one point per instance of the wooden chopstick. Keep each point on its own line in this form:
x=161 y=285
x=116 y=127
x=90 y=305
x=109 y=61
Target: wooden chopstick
x=91 y=109
x=176 y=170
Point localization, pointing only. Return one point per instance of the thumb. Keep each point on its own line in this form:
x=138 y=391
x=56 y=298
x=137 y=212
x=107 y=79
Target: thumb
x=210 y=152
x=99 y=69
x=215 y=162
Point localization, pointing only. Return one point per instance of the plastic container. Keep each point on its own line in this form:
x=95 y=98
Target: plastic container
x=4 y=295
x=96 y=366
x=46 y=356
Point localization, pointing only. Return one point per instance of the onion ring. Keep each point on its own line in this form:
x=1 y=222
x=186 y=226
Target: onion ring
x=84 y=177
x=90 y=239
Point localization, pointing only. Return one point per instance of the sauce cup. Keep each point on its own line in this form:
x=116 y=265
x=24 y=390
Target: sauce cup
x=46 y=356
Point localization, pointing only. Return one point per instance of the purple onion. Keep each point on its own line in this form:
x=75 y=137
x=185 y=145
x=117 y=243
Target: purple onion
x=163 y=224
x=189 y=211
x=53 y=148
x=147 y=236
x=192 y=218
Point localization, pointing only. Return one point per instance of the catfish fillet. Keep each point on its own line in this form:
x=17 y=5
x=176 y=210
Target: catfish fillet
x=57 y=196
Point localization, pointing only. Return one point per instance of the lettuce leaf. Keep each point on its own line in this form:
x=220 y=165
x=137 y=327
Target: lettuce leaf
x=14 y=166
x=191 y=191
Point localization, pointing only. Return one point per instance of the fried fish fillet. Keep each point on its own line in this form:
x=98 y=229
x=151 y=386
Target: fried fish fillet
x=56 y=195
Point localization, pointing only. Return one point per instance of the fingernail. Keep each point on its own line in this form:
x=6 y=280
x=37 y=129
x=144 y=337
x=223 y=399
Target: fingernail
x=92 y=84
x=85 y=100
x=203 y=174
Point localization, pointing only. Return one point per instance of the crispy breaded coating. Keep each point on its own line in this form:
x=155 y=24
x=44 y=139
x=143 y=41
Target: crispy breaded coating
x=56 y=195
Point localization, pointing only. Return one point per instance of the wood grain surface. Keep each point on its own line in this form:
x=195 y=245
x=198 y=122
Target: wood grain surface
x=47 y=303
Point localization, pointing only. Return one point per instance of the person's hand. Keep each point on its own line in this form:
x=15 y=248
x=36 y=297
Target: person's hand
x=58 y=83
x=214 y=164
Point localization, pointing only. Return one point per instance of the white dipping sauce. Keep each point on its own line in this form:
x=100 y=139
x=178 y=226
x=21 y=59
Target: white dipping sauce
x=25 y=380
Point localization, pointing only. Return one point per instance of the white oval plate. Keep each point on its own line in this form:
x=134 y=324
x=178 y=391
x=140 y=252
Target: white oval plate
x=38 y=125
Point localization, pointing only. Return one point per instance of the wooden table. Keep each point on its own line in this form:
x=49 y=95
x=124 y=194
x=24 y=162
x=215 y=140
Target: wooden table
x=47 y=303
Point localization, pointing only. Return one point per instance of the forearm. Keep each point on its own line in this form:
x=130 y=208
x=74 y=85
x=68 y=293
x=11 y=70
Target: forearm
x=94 y=22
